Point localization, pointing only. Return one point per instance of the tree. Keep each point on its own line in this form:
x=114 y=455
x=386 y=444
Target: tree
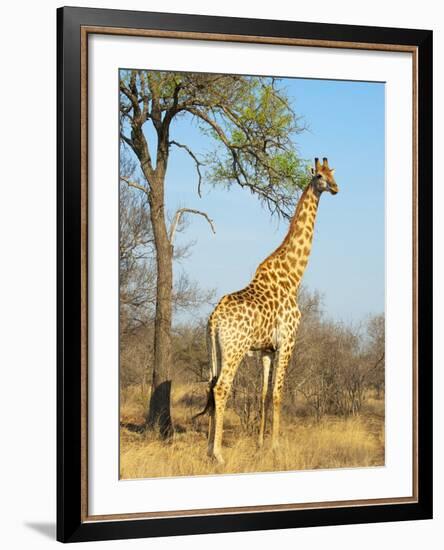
x=376 y=352
x=251 y=124
x=136 y=269
x=137 y=258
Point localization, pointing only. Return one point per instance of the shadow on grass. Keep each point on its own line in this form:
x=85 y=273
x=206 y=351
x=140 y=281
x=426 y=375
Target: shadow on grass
x=141 y=428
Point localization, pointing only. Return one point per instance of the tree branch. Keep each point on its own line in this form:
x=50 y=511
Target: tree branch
x=179 y=214
x=135 y=185
x=196 y=160
x=138 y=141
x=378 y=362
x=203 y=116
x=173 y=109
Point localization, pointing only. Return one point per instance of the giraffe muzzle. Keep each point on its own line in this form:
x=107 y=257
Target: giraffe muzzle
x=333 y=188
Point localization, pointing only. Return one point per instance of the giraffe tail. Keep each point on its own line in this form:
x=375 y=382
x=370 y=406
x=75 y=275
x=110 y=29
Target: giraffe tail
x=209 y=407
x=211 y=339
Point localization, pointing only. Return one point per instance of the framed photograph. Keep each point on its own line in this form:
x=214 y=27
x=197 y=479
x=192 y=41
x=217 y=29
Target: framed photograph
x=244 y=274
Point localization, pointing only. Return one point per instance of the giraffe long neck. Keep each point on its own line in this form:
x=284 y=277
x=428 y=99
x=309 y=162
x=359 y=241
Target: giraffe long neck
x=300 y=234
x=286 y=265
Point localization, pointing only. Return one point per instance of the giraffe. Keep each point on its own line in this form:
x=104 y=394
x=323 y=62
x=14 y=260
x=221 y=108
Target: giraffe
x=263 y=317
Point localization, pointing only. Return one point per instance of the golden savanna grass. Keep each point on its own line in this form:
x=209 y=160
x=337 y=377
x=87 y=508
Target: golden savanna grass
x=305 y=444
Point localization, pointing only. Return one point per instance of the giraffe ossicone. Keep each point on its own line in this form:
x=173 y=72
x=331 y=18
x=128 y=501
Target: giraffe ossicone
x=264 y=316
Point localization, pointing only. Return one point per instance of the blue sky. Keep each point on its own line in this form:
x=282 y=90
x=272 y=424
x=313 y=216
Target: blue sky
x=346 y=124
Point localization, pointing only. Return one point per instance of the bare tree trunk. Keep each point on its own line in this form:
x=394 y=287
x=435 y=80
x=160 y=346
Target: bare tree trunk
x=159 y=413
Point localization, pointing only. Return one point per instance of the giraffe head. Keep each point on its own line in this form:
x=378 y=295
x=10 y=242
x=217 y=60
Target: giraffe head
x=322 y=177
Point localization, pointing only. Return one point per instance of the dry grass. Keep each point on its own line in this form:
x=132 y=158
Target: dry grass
x=304 y=444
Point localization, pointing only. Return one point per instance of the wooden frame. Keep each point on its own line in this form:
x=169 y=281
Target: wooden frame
x=74 y=25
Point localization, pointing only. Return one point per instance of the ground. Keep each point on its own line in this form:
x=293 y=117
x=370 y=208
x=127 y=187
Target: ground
x=305 y=443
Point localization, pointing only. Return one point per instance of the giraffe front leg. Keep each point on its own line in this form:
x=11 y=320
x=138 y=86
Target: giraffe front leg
x=282 y=363
x=266 y=364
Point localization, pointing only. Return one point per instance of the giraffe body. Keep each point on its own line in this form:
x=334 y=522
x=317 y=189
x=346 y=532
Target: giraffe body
x=264 y=316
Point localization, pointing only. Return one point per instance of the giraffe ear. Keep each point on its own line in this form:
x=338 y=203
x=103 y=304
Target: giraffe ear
x=332 y=171
x=313 y=171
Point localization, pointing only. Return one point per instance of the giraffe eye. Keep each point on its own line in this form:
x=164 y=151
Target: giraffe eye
x=319 y=176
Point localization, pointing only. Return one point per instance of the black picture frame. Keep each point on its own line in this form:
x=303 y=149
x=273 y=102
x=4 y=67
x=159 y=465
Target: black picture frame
x=72 y=525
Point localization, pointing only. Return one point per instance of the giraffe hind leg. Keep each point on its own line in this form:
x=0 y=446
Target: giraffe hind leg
x=221 y=392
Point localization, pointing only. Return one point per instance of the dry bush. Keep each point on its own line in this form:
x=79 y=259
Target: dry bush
x=334 y=366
